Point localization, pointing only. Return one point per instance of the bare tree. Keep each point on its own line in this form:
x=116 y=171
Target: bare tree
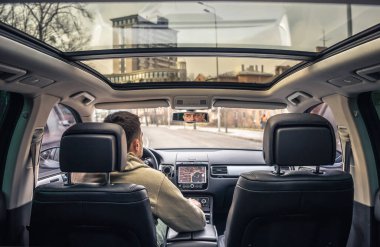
x=58 y=24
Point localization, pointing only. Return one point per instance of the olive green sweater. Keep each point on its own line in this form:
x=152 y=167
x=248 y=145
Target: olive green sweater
x=167 y=202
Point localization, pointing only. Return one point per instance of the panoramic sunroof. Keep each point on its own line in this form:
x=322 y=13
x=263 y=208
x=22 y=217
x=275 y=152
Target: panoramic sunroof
x=74 y=27
x=191 y=69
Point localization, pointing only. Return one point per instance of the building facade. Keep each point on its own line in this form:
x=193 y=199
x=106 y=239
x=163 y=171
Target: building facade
x=134 y=32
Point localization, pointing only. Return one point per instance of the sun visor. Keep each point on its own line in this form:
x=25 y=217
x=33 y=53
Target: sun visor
x=248 y=104
x=133 y=104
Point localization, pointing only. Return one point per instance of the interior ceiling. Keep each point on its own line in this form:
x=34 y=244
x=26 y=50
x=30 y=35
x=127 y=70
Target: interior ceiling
x=70 y=79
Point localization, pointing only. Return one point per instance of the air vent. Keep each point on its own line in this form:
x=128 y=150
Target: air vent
x=8 y=73
x=167 y=169
x=371 y=74
x=219 y=170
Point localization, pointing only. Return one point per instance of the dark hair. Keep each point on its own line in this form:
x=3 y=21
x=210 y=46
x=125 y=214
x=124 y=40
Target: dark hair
x=129 y=122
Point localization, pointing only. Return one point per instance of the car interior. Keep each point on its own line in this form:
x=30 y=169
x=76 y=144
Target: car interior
x=265 y=112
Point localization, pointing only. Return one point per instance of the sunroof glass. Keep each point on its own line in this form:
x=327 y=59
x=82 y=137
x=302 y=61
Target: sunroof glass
x=191 y=69
x=102 y=25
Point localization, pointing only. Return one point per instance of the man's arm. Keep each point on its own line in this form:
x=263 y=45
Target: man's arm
x=179 y=213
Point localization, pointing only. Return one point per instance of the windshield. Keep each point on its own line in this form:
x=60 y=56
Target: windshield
x=231 y=128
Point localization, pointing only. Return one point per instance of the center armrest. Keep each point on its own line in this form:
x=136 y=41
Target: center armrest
x=208 y=234
x=173 y=236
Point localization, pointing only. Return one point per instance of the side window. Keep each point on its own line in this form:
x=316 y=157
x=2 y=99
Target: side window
x=59 y=120
x=325 y=111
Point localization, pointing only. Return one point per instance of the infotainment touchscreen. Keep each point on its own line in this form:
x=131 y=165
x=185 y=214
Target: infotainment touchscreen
x=192 y=174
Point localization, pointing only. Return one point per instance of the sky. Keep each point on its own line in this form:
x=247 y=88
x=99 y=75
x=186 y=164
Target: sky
x=260 y=25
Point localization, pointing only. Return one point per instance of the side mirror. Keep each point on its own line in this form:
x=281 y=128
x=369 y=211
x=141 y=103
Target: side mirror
x=191 y=117
x=338 y=157
x=49 y=158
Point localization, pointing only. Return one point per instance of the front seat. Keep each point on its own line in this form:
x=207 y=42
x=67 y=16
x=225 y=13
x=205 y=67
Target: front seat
x=286 y=207
x=92 y=214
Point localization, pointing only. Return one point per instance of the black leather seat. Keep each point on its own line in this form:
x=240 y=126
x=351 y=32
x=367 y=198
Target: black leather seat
x=293 y=207
x=92 y=214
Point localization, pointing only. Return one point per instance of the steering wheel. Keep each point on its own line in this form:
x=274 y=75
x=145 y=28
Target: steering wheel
x=149 y=158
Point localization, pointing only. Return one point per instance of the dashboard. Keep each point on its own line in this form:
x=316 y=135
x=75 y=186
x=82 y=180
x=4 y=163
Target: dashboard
x=200 y=166
x=209 y=175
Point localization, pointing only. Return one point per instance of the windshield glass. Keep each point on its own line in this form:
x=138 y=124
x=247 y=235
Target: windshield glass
x=238 y=128
x=235 y=24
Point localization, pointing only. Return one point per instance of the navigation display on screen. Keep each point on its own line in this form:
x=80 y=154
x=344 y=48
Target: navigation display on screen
x=192 y=174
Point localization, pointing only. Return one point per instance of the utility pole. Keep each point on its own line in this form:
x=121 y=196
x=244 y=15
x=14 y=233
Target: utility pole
x=155 y=116
x=169 y=117
x=324 y=38
x=349 y=20
x=146 y=118
x=218 y=116
x=225 y=120
x=216 y=34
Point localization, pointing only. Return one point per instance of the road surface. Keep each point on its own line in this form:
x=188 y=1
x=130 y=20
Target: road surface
x=163 y=137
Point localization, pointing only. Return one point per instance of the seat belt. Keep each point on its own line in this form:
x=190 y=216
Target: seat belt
x=346 y=147
x=35 y=148
x=347 y=156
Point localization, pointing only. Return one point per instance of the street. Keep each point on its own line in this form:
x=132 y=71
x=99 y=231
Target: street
x=179 y=137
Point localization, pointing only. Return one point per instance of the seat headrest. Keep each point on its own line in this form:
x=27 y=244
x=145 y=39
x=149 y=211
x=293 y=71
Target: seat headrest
x=93 y=147
x=299 y=139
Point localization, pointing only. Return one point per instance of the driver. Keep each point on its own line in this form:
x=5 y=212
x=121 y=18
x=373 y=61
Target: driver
x=167 y=202
x=188 y=117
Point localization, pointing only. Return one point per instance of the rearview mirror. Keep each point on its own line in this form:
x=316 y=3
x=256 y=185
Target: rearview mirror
x=191 y=117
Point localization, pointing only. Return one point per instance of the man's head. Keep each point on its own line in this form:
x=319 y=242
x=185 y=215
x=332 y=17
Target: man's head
x=188 y=117
x=199 y=117
x=131 y=125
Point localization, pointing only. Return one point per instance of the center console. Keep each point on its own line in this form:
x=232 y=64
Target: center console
x=192 y=179
x=191 y=175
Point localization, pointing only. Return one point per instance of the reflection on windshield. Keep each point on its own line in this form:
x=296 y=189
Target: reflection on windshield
x=227 y=128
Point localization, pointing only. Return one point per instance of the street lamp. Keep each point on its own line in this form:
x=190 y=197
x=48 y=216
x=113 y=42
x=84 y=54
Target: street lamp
x=349 y=20
x=216 y=46
x=216 y=33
